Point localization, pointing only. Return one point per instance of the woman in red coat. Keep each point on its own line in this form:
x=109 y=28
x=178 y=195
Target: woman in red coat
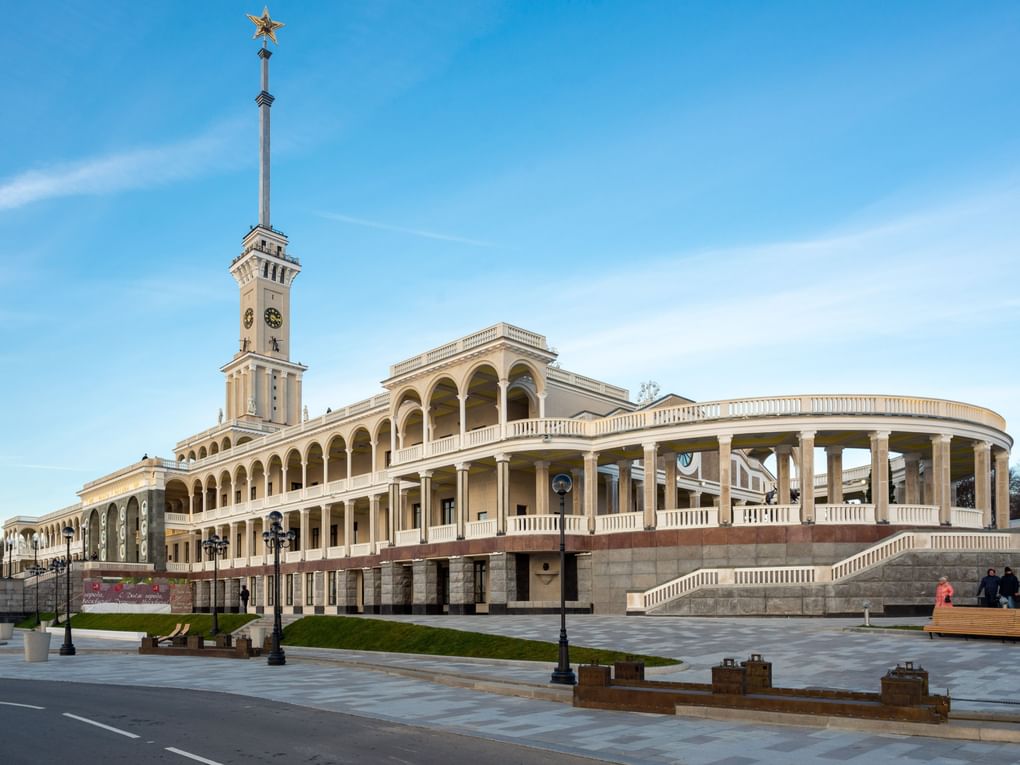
x=944 y=593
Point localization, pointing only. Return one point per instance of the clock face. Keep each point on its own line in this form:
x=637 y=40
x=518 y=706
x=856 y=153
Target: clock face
x=249 y=318
x=684 y=459
x=274 y=318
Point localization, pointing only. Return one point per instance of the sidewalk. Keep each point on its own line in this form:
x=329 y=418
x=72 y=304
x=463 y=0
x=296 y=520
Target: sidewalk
x=394 y=687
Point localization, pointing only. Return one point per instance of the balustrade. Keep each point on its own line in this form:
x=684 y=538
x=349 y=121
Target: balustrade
x=362 y=548
x=619 y=522
x=966 y=518
x=914 y=515
x=482 y=436
x=444 y=445
x=546 y=524
x=179 y=568
x=444 y=533
x=765 y=515
x=313 y=554
x=850 y=513
x=480 y=529
x=177 y=519
x=293 y=556
x=408 y=537
x=689 y=518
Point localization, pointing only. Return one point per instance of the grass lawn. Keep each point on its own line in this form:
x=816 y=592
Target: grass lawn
x=153 y=624
x=383 y=635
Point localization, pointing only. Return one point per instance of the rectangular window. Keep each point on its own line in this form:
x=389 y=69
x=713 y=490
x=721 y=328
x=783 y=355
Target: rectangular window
x=333 y=535
x=269 y=489
x=176 y=552
x=447 y=508
x=483 y=515
x=315 y=538
x=253 y=589
x=481 y=573
x=252 y=492
x=416 y=515
x=387 y=460
x=270 y=591
x=237 y=550
x=295 y=485
x=309 y=589
x=331 y=580
x=237 y=497
x=187 y=552
x=522 y=509
x=290 y=589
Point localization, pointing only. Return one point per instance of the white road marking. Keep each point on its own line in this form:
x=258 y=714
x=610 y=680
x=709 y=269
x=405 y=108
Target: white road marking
x=13 y=704
x=191 y=756
x=101 y=725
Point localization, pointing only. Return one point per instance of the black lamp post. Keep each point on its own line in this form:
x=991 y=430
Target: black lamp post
x=215 y=546
x=563 y=674
x=35 y=550
x=37 y=571
x=56 y=566
x=277 y=539
x=5 y=545
x=67 y=649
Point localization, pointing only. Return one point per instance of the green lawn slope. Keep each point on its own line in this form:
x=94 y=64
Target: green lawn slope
x=153 y=624
x=359 y=634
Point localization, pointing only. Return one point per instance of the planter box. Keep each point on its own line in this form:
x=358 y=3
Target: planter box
x=6 y=630
x=37 y=646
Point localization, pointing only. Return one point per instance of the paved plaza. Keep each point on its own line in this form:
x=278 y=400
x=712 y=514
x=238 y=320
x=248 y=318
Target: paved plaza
x=804 y=653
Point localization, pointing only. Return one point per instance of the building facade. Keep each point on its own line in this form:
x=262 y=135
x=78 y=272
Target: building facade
x=434 y=495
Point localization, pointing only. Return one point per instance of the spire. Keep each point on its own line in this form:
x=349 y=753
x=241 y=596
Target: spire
x=265 y=28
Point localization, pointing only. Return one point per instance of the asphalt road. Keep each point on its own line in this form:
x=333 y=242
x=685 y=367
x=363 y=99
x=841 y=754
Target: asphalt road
x=108 y=724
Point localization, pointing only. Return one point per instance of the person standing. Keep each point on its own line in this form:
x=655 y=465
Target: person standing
x=944 y=593
x=244 y=599
x=1009 y=585
x=990 y=587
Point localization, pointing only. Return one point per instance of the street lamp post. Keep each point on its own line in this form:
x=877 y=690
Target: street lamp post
x=277 y=539
x=67 y=649
x=56 y=566
x=37 y=571
x=563 y=674
x=215 y=546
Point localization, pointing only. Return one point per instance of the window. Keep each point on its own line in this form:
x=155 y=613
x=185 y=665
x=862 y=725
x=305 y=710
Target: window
x=331 y=578
x=270 y=592
x=386 y=462
x=290 y=589
x=333 y=535
x=237 y=496
x=416 y=515
x=176 y=552
x=252 y=492
x=187 y=553
x=447 y=508
x=237 y=550
x=481 y=574
x=309 y=589
x=269 y=489
x=483 y=515
x=522 y=509
x=295 y=485
x=315 y=537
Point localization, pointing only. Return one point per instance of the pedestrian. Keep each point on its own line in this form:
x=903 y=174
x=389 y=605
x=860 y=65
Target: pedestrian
x=1009 y=585
x=944 y=593
x=990 y=587
x=244 y=599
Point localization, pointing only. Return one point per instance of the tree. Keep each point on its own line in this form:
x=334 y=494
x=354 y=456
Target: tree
x=1014 y=492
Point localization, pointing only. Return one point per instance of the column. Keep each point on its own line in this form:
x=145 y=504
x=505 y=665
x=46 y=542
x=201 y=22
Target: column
x=591 y=488
x=1001 y=489
x=396 y=588
x=304 y=474
x=350 y=455
x=425 y=587
x=348 y=506
x=807 y=476
x=394 y=513
x=426 y=503
x=983 y=482
x=880 y=474
x=541 y=405
x=669 y=465
x=912 y=479
x=927 y=485
x=463 y=511
x=462 y=400
x=266 y=410
x=941 y=496
x=373 y=519
x=783 y=473
x=502 y=491
x=651 y=482
x=725 y=503
x=624 y=486
x=462 y=581
x=426 y=428
x=541 y=488
x=373 y=590
x=834 y=475
x=503 y=385
x=327 y=523
x=577 y=492
x=303 y=532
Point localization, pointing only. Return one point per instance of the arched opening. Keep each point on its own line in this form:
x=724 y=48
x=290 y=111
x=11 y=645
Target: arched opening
x=482 y=390
x=258 y=481
x=314 y=465
x=226 y=443
x=109 y=553
x=444 y=409
x=176 y=496
x=275 y=474
x=382 y=439
x=198 y=496
x=361 y=452
x=336 y=456
x=294 y=482
x=243 y=440
x=522 y=393
x=241 y=493
x=202 y=453
x=211 y=499
x=132 y=532
x=225 y=494
x=409 y=419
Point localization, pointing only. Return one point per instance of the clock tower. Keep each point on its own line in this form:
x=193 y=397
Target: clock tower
x=263 y=384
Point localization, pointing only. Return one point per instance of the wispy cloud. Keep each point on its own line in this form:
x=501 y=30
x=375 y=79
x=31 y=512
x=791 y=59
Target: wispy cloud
x=121 y=171
x=62 y=468
x=422 y=233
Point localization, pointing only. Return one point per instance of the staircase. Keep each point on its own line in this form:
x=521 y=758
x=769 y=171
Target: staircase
x=266 y=621
x=659 y=597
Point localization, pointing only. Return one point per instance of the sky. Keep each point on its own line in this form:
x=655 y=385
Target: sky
x=731 y=199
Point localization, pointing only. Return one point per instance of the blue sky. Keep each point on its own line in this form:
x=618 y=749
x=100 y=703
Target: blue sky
x=732 y=199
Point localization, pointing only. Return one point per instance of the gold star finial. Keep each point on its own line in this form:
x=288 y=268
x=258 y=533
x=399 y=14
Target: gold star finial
x=265 y=26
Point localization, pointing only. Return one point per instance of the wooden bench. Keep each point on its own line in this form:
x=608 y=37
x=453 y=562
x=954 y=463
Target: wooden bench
x=984 y=622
